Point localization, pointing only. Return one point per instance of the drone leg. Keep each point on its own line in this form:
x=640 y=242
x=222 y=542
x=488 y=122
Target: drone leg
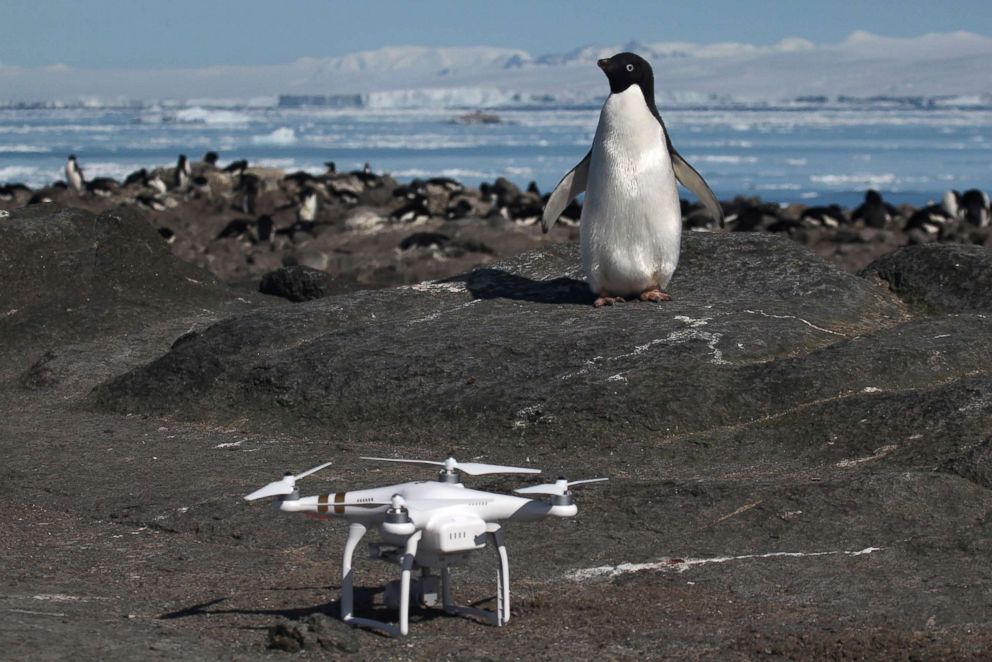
x=407 y=565
x=502 y=579
x=446 y=600
x=355 y=533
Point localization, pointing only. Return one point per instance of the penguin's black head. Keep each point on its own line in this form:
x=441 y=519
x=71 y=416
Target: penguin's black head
x=72 y=157
x=626 y=69
x=873 y=197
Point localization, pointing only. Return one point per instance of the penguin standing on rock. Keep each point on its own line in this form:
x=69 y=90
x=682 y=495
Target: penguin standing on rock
x=183 y=173
x=975 y=208
x=74 y=174
x=631 y=223
x=874 y=211
x=306 y=213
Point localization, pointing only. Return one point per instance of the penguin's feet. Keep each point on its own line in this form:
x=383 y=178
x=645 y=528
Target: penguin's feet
x=607 y=300
x=656 y=295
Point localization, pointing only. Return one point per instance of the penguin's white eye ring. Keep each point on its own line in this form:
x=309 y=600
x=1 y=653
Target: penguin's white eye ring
x=630 y=67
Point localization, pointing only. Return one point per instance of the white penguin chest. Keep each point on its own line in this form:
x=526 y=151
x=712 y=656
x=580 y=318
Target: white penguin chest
x=631 y=220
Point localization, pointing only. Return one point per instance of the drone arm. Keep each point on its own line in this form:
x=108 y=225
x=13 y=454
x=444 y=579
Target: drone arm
x=339 y=503
x=535 y=509
x=303 y=505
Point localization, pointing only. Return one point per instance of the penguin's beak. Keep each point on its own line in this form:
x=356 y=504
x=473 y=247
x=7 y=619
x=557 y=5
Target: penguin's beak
x=605 y=62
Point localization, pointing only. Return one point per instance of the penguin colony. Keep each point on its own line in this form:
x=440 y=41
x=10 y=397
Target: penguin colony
x=629 y=225
x=266 y=217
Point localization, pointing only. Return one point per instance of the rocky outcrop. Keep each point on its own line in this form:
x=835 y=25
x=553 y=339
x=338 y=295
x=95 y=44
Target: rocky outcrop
x=758 y=327
x=938 y=278
x=69 y=274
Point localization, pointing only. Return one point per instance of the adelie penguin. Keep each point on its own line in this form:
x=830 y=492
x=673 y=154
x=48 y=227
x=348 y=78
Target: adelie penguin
x=74 y=174
x=631 y=222
x=183 y=173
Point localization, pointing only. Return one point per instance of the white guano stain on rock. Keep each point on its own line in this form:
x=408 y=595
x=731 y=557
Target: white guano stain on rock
x=681 y=565
x=878 y=454
x=689 y=333
x=436 y=288
x=433 y=316
x=58 y=597
x=798 y=319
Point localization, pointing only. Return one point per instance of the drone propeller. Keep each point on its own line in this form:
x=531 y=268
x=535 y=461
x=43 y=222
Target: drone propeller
x=471 y=468
x=283 y=486
x=557 y=488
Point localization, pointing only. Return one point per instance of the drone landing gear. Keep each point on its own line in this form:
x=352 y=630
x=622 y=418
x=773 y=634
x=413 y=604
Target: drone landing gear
x=502 y=613
x=425 y=586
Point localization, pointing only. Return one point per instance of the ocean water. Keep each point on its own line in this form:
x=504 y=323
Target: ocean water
x=813 y=154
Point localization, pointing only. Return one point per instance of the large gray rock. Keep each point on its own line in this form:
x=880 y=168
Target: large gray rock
x=86 y=295
x=938 y=278
x=758 y=327
x=69 y=274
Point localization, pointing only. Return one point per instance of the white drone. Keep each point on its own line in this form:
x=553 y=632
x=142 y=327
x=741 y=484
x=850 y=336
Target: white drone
x=430 y=525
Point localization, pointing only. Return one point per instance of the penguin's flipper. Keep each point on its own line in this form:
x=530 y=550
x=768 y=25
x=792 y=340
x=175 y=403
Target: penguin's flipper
x=569 y=188
x=693 y=181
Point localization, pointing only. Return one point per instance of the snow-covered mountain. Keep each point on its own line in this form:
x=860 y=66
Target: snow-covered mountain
x=862 y=66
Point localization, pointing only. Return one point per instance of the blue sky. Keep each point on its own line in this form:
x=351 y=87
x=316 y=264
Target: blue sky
x=187 y=33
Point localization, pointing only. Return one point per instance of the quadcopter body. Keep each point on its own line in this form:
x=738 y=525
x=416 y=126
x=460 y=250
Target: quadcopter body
x=430 y=526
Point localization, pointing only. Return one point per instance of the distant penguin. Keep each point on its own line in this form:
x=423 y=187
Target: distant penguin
x=150 y=202
x=753 y=216
x=136 y=177
x=263 y=227
x=430 y=240
x=249 y=186
x=156 y=184
x=933 y=218
x=306 y=213
x=9 y=192
x=40 y=197
x=183 y=173
x=235 y=229
x=210 y=158
x=300 y=178
x=831 y=216
x=236 y=167
x=332 y=167
x=102 y=186
x=631 y=223
x=74 y=174
x=951 y=203
x=975 y=207
x=874 y=211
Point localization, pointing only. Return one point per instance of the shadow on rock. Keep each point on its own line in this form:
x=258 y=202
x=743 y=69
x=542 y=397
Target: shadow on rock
x=498 y=284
